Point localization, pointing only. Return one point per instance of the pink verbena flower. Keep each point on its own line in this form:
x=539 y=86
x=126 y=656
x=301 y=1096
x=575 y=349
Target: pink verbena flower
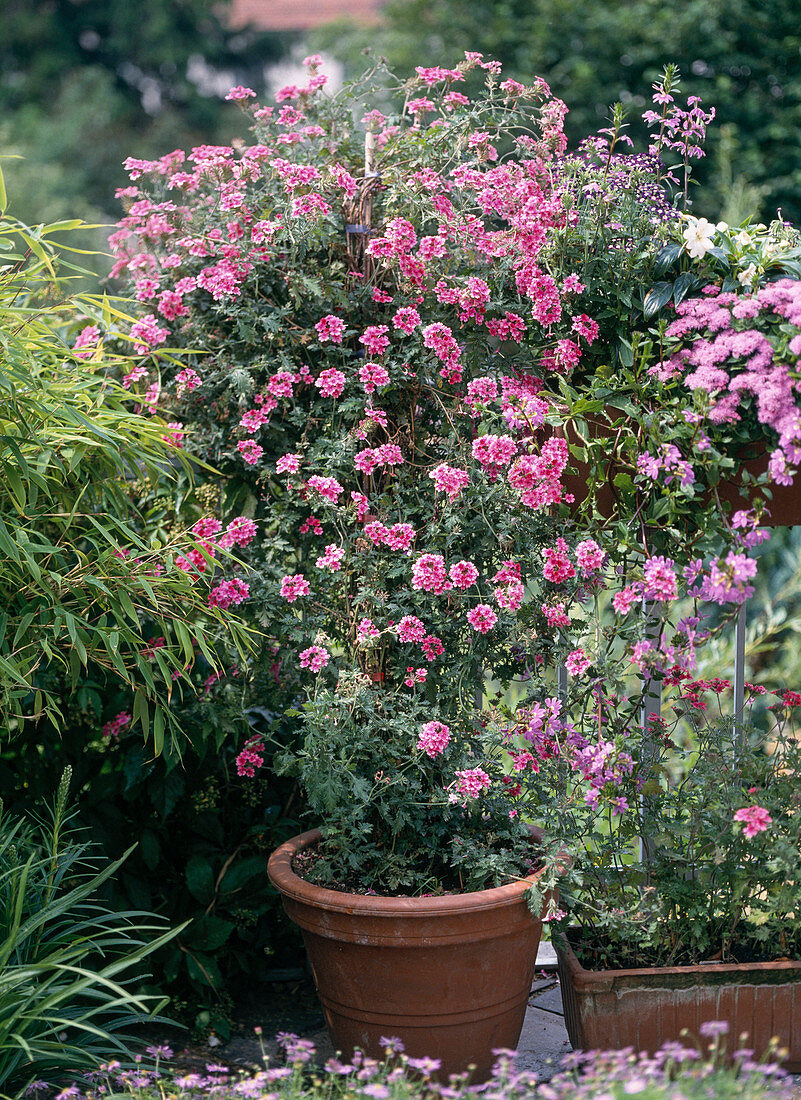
x=589 y=556
x=400 y=536
x=250 y=450
x=330 y=328
x=577 y=662
x=116 y=725
x=494 y=451
x=555 y=615
x=373 y=375
x=463 y=574
x=432 y=647
x=239 y=532
x=251 y=757
x=288 y=464
x=240 y=93
x=314 y=658
x=294 y=586
x=659 y=579
x=410 y=629
x=330 y=382
x=434 y=738
x=407 y=319
x=429 y=575
x=228 y=593
x=375 y=339
x=472 y=781
x=558 y=566
x=331 y=559
x=207 y=527
x=625 y=599
x=449 y=479
x=756 y=820
x=327 y=487
x=510 y=594
x=482 y=618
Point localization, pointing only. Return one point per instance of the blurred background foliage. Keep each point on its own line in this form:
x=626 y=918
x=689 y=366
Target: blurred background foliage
x=85 y=84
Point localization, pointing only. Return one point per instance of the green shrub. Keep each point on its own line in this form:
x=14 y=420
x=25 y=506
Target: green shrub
x=69 y=966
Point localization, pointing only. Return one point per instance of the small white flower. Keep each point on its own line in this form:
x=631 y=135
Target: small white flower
x=746 y=276
x=743 y=238
x=213 y=1041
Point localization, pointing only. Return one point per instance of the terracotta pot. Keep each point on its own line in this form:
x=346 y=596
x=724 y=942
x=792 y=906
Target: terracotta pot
x=449 y=976
x=644 y=1008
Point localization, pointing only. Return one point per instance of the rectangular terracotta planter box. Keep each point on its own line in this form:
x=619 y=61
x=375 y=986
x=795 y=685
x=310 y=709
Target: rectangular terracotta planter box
x=644 y=1008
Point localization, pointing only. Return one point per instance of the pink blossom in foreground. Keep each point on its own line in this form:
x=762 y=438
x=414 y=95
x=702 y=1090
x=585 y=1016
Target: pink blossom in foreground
x=449 y=479
x=240 y=93
x=482 y=618
x=314 y=658
x=294 y=586
x=327 y=487
x=471 y=782
x=756 y=820
x=239 y=532
x=659 y=579
x=589 y=556
x=463 y=574
x=434 y=738
x=625 y=599
x=250 y=450
x=288 y=464
x=228 y=593
x=577 y=662
x=429 y=575
x=330 y=382
x=410 y=629
x=331 y=559
x=558 y=566
x=373 y=375
x=251 y=757
x=330 y=328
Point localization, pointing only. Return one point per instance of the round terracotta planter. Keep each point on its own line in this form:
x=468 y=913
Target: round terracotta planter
x=449 y=976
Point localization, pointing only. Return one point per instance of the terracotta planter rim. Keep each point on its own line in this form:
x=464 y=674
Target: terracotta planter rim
x=588 y=976
x=288 y=883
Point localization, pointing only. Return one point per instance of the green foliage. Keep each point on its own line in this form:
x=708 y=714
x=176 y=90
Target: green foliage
x=202 y=834
x=740 y=56
x=69 y=966
x=82 y=583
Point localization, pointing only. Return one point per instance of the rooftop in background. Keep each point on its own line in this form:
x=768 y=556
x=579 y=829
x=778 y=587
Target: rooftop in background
x=297 y=15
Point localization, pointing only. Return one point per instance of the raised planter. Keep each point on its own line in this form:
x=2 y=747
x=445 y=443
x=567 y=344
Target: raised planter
x=644 y=1008
x=449 y=976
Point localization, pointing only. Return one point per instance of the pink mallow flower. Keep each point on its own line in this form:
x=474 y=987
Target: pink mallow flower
x=294 y=586
x=314 y=658
x=434 y=738
x=471 y=782
x=755 y=818
x=482 y=618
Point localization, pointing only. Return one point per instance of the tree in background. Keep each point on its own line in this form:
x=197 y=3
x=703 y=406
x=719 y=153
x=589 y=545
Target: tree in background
x=86 y=83
x=741 y=56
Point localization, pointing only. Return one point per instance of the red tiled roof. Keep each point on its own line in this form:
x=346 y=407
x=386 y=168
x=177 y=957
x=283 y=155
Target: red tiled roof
x=291 y=15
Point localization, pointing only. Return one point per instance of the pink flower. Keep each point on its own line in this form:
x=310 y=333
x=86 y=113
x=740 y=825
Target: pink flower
x=239 y=532
x=432 y=647
x=558 y=566
x=366 y=629
x=294 y=586
x=240 y=93
x=589 y=556
x=86 y=338
x=288 y=464
x=493 y=451
x=429 y=575
x=372 y=375
x=251 y=757
x=228 y=593
x=472 y=781
x=314 y=658
x=556 y=615
x=410 y=629
x=375 y=339
x=463 y=574
x=147 y=333
x=327 y=487
x=482 y=618
x=449 y=479
x=207 y=527
x=330 y=382
x=331 y=559
x=577 y=662
x=330 y=328
x=406 y=319
x=400 y=536
x=624 y=600
x=510 y=595
x=756 y=820
x=434 y=738
x=250 y=450
x=116 y=725
x=187 y=379
x=659 y=580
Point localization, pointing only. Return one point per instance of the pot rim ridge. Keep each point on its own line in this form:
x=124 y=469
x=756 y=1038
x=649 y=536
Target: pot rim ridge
x=292 y=885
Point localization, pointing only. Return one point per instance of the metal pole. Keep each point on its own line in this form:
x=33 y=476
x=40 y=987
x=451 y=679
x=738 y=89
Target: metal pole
x=651 y=704
x=739 y=676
